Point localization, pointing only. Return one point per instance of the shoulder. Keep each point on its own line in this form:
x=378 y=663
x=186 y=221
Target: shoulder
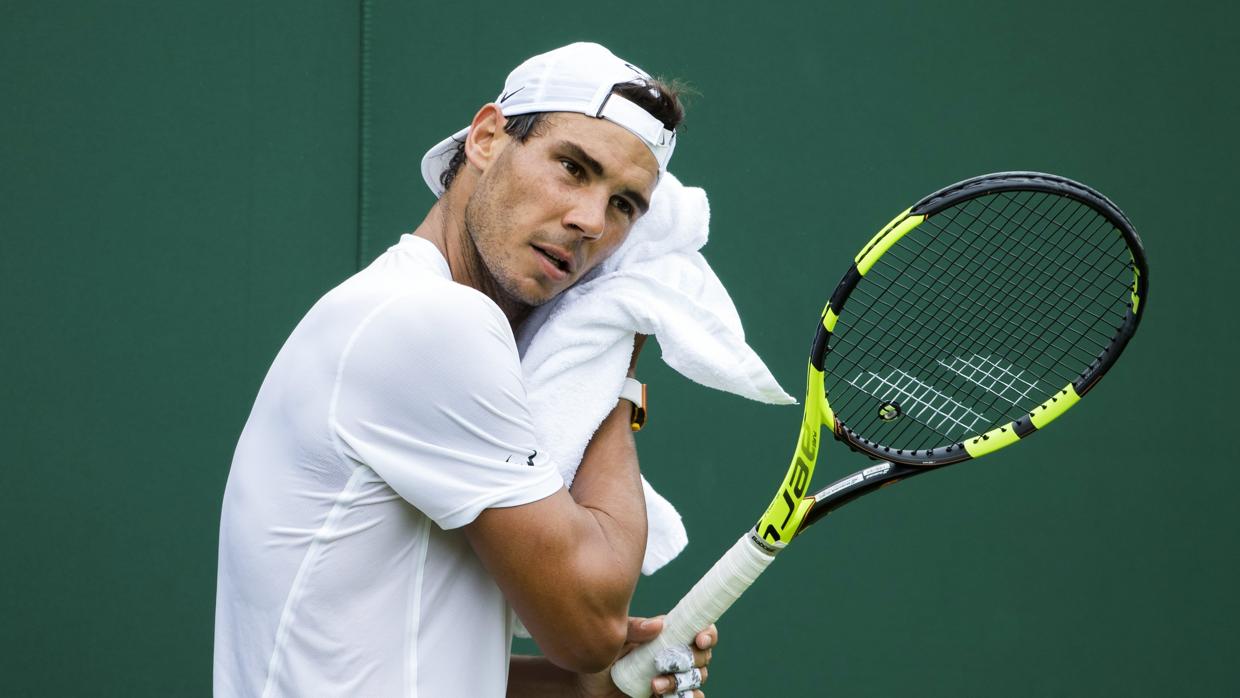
x=442 y=313
x=409 y=289
x=432 y=329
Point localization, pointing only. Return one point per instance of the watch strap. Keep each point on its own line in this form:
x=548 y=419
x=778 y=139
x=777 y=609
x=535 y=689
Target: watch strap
x=635 y=392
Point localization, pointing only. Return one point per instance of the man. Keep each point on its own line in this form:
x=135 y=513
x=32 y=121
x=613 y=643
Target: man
x=388 y=500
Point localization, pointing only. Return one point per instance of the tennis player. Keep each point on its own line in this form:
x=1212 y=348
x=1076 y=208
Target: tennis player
x=389 y=506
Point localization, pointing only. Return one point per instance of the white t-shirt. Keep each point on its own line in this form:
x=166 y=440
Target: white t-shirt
x=394 y=414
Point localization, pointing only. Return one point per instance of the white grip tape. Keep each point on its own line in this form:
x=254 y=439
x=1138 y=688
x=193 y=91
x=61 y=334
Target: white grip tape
x=703 y=605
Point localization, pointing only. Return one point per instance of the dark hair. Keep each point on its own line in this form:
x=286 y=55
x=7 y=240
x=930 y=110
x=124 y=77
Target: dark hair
x=660 y=99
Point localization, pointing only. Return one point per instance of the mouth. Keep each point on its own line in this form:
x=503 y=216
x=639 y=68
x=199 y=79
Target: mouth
x=558 y=258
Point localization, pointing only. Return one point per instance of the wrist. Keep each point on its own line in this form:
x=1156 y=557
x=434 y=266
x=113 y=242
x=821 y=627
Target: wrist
x=638 y=342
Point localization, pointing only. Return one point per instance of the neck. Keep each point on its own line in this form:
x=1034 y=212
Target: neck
x=444 y=226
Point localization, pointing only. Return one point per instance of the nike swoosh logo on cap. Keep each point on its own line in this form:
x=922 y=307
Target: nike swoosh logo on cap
x=637 y=70
x=504 y=98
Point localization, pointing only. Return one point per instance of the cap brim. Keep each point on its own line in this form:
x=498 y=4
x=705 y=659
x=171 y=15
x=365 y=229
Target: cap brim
x=437 y=158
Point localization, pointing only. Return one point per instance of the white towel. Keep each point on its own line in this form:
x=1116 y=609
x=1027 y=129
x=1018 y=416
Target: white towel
x=576 y=349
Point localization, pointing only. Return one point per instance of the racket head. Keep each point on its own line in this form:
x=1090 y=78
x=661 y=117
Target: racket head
x=977 y=317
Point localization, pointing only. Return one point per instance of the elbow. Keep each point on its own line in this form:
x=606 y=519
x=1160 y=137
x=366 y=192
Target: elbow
x=595 y=644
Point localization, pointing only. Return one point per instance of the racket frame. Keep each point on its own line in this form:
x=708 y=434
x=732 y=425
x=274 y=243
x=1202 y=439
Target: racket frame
x=792 y=510
x=1004 y=435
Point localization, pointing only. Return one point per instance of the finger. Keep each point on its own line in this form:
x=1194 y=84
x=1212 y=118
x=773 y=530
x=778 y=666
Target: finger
x=679 y=682
x=707 y=638
x=674 y=659
x=685 y=694
x=680 y=658
x=689 y=680
x=701 y=658
x=642 y=630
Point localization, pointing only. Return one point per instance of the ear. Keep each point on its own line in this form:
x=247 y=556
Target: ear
x=486 y=139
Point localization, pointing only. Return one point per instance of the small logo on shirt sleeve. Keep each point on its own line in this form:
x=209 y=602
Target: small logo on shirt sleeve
x=529 y=460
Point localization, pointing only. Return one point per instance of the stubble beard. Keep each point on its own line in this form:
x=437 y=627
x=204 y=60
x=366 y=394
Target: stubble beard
x=488 y=274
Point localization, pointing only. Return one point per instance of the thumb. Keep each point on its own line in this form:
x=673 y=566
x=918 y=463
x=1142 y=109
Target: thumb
x=642 y=630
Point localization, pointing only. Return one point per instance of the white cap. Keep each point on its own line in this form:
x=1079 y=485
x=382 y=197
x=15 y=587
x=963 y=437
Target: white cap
x=575 y=78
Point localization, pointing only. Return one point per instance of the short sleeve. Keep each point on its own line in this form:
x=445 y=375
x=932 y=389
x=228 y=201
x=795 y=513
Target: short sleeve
x=430 y=396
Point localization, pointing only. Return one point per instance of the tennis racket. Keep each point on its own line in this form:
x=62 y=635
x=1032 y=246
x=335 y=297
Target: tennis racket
x=967 y=324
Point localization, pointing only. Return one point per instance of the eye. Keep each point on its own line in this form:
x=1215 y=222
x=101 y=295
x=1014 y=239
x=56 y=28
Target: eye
x=623 y=205
x=571 y=167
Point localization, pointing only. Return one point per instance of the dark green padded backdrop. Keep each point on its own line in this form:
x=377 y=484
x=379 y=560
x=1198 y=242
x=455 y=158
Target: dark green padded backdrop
x=180 y=181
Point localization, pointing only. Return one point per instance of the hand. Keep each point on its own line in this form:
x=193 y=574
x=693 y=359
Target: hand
x=641 y=631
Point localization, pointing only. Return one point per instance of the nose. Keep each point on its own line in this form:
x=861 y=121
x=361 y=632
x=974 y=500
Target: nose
x=588 y=216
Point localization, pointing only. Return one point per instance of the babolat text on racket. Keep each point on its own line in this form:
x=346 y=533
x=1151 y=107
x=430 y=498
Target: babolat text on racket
x=967 y=324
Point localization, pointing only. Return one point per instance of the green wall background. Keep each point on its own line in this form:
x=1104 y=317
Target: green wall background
x=180 y=181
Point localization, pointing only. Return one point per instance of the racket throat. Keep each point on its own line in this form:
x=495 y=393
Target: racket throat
x=773 y=535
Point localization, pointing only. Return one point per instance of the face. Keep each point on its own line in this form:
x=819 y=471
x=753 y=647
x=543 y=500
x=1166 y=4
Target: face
x=547 y=211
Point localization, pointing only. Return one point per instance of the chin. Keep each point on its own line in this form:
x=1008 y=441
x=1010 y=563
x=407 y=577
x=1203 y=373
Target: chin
x=534 y=301
x=528 y=291
x=528 y=297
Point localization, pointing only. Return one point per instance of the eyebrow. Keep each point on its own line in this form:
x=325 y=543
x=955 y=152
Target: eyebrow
x=597 y=168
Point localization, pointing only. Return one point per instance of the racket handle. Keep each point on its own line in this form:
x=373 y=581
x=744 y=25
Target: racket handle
x=703 y=605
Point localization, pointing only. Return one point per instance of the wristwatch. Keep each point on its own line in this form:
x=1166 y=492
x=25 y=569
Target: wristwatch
x=635 y=392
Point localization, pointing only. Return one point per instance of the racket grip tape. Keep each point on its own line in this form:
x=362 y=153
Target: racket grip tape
x=703 y=605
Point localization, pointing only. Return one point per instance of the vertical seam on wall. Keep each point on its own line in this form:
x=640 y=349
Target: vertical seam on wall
x=363 y=144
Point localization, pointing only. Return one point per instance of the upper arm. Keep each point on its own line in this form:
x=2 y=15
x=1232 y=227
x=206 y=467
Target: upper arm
x=430 y=396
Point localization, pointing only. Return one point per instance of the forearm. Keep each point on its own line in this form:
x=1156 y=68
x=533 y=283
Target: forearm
x=603 y=544
x=608 y=488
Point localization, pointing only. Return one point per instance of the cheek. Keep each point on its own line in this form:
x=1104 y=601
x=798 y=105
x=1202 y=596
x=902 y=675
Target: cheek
x=531 y=201
x=497 y=208
x=605 y=248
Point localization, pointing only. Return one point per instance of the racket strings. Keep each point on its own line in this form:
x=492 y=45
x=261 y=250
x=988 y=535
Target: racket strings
x=872 y=353
x=1029 y=264
x=908 y=388
x=1096 y=267
x=1065 y=292
x=980 y=314
x=1124 y=278
x=1012 y=282
x=946 y=417
x=956 y=314
x=1087 y=269
x=964 y=312
x=1114 y=256
x=1024 y=269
